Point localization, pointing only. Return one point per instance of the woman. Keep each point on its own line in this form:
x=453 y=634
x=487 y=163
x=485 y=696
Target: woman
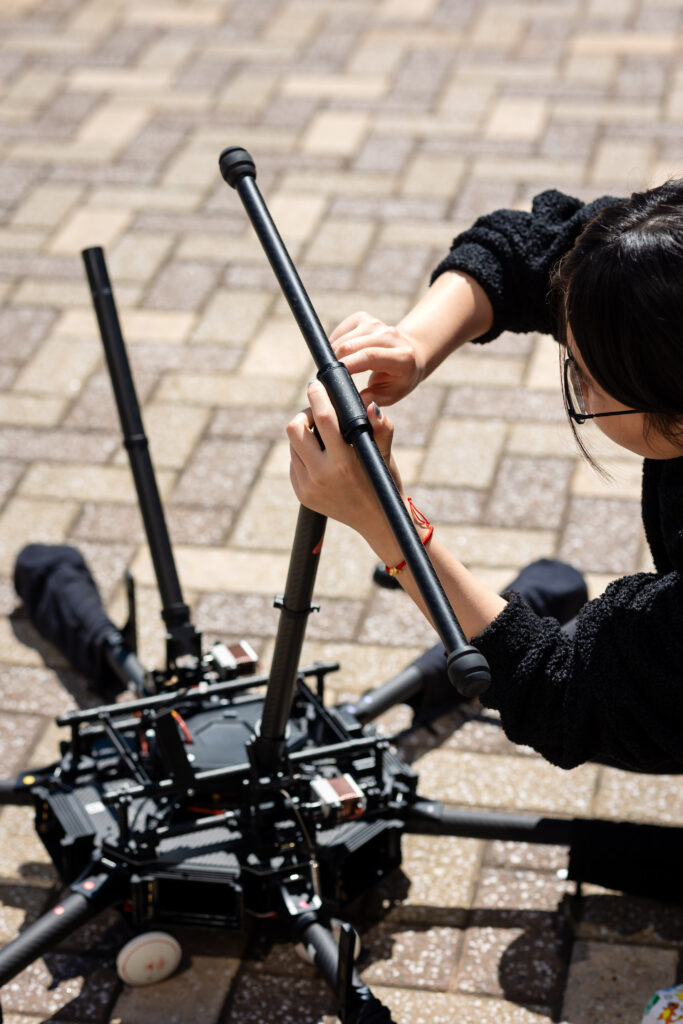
x=607 y=280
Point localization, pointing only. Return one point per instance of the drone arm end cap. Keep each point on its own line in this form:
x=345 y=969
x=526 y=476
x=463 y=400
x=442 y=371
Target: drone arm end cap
x=468 y=671
x=235 y=163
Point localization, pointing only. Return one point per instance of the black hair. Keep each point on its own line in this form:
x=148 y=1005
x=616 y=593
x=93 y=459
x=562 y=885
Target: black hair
x=620 y=290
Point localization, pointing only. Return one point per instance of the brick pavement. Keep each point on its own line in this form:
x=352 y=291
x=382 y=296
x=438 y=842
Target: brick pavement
x=379 y=128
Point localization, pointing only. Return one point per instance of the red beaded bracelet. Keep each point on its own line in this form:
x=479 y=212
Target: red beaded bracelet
x=421 y=520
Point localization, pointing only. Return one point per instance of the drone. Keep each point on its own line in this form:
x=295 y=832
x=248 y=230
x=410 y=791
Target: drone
x=224 y=798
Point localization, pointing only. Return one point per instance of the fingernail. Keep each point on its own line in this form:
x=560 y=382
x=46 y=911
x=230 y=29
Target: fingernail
x=378 y=411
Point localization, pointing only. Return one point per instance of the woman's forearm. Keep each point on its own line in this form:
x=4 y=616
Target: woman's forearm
x=475 y=605
x=453 y=311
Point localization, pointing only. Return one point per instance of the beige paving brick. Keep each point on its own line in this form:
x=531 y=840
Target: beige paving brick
x=91 y=20
x=336 y=87
x=167 y=52
x=222 y=569
x=24 y=521
x=32 y=292
x=200 y=988
x=90 y=226
x=631 y=797
x=515 y=783
x=138 y=325
x=112 y=125
x=496 y=27
x=31 y=410
x=608 y=112
x=533 y=170
x=593 y=68
x=268 y=518
x=517 y=117
x=437 y=891
x=83 y=483
x=340 y=242
x=347 y=565
x=362 y=666
x=626 y=478
x=544 y=372
x=23 y=858
x=461 y=452
x=492 y=371
x=21 y=239
x=248 y=91
x=193 y=166
x=392 y=9
x=296 y=216
x=293 y=22
x=232 y=317
x=242 y=249
x=337 y=133
x=592 y=973
x=420 y=1007
x=222 y=389
x=47 y=205
x=493 y=546
x=140 y=82
x=33 y=87
x=137 y=257
x=59 y=367
x=333 y=183
x=637 y=44
x=180 y=199
x=14 y=652
x=433 y=176
x=172 y=15
x=279 y=348
x=541 y=439
x=412 y=233
x=379 y=54
x=627 y=162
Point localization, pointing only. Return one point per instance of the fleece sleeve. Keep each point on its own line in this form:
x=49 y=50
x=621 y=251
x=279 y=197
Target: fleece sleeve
x=511 y=254
x=609 y=693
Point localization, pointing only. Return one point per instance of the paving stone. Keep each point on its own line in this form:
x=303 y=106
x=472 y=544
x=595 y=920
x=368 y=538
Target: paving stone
x=490 y=780
x=78 y=986
x=400 y=955
x=594 y=969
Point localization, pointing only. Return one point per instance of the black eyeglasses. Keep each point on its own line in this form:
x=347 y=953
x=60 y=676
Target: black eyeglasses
x=574 y=395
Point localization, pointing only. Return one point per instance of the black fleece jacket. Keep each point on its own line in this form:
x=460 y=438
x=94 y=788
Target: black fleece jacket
x=612 y=692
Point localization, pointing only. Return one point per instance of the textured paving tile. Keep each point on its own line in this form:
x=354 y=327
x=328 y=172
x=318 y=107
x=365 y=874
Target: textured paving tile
x=595 y=968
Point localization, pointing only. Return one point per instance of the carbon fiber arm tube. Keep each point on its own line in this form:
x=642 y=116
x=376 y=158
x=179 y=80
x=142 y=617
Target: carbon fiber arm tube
x=78 y=906
x=295 y=608
x=467 y=667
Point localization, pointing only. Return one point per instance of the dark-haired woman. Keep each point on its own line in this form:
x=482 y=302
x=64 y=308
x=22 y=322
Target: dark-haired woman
x=606 y=279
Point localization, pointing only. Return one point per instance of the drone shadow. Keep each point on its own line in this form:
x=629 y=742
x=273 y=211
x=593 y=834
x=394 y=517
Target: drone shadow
x=79 y=688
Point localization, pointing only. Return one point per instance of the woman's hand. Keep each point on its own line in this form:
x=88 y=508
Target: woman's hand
x=332 y=481
x=454 y=310
x=362 y=342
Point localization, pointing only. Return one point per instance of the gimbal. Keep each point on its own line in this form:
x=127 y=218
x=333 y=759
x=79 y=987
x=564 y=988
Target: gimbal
x=218 y=798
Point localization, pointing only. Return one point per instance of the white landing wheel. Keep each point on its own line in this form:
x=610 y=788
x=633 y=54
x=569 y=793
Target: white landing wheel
x=148 y=958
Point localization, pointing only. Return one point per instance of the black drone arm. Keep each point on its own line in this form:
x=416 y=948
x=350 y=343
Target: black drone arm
x=467 y=667
x=93 y=891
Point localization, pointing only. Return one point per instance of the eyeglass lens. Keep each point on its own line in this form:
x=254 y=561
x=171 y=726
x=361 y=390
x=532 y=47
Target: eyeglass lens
x=576 y=387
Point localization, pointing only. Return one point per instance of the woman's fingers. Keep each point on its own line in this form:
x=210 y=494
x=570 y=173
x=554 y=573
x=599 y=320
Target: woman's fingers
x=350 y=323
x=382 y=429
